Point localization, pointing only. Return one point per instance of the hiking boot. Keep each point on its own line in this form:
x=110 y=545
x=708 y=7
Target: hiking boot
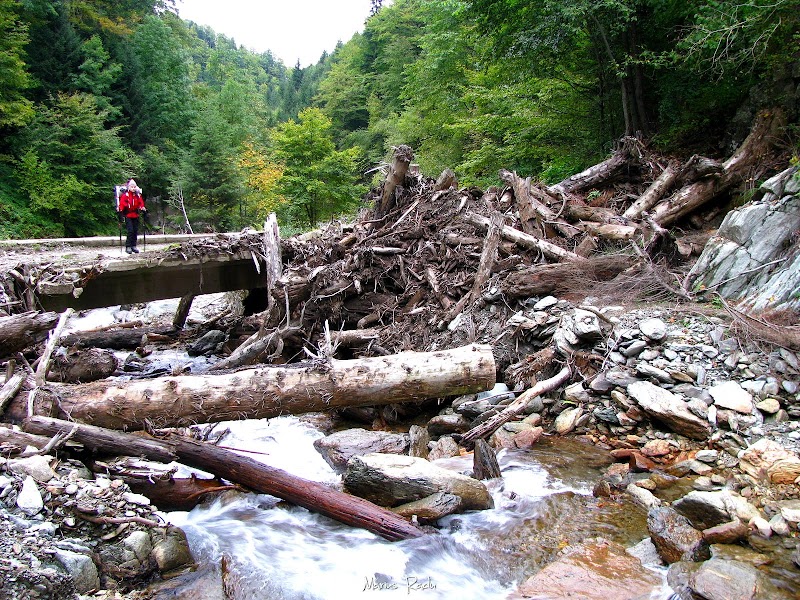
x=128 y=250
x=135 y=249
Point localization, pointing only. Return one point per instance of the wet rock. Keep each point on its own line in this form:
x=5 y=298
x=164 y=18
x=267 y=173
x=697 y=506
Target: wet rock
x=525 y=440
x=708 y=509
x=29 y=499
x=391 y=480
x=81 y=569
x=726 y=533
x=139 y=543
x=674 y=537
x=170 y=549
x=732 y=396
x=654 y=329
x=595 y=570
x=445 y=447
x=642 y=497
x=431 y=508
x=37 y=466
x=338 y=448
x=718 y=579
x=668 y=408
x=767 y=460
x=444 y=424
x=566 y=421
x=204 y=584
x=418 y=438
x=208 y=344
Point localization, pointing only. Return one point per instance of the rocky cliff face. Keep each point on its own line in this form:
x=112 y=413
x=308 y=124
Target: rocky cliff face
x=755 y=255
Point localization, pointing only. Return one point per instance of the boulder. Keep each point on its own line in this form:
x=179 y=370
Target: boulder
x=674 y=537
x=600 y=570
x=36 y=466
x=338 y=448
x=431 y=508
x=726 y=533
x=767 y=460
x=391 y=480
x=445 y=447
x=170 y=549
x=81 y=569
x=733 y=396
x=208 y=344
x=743 y=261
x=719 y=579
x=709 y=509
x=668 y=408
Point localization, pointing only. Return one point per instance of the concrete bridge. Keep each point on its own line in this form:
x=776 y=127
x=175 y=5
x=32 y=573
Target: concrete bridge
x=95 y=272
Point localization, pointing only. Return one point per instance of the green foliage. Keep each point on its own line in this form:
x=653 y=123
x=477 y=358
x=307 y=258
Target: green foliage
x=15 y=108
x=318 y=181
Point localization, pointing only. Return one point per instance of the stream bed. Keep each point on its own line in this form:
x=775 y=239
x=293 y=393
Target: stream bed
x=543 y=504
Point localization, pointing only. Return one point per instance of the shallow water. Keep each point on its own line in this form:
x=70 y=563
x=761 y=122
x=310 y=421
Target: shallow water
x=542 y=504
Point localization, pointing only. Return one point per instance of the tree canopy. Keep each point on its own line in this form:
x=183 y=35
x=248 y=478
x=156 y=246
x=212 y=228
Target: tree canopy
x=92 y=92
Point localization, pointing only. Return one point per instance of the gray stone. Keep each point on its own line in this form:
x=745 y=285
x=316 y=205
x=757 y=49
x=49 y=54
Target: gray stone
x=444 y=424
x=721 y=579
x=445 y=447
x=645 y=370
x=29 y=499
x=170 y=549
x=707 y=456
x=139 y=543
x=37 y=466
x=654 y=329
x=790 y=387
x=418 y=438
x=634 y=349
x=81 y=569
x=566 y=421
x=390 y=480
x=586 y=325
x=207 y=344
x=545 y=303
x=431 y=508
x=337 y=448
x=674 y=537
x=668 y=408
x=790 y=510
x=708 y=509
x=731 y=395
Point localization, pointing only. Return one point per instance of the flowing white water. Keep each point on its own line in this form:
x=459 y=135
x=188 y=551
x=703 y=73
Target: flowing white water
x=290 y=553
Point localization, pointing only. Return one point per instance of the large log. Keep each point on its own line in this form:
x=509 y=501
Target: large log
x=623 y=158
x=267 y=391
x=19 y=332
x=559 y=278
x=745 y=162
x=238 y=469
x=120 y=339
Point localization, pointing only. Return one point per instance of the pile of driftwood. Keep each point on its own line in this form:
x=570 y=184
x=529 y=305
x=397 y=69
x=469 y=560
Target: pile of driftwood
x=412 y=302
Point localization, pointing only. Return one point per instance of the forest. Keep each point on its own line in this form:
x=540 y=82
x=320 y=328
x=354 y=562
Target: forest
x=93 y=92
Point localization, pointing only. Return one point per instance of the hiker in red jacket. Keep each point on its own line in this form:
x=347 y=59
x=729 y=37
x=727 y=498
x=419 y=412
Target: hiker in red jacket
x=131 y=204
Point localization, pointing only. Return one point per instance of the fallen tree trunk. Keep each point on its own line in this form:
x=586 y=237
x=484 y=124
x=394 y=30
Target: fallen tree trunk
x=558 y=278
x=523 y=239
x=267 y=391
x=229 y=465
x=622 y=159
x=532 y=211
x=653 y=194
x=752 y=153
x=121 y=339
x=19 y=332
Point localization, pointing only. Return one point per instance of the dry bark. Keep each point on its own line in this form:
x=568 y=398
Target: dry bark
x=538 y=280
x=243 y=470
x=403 y=155
x=268 y=391
x=625 y=157
x=653 y=194
x=535 y=216
x=20 y=332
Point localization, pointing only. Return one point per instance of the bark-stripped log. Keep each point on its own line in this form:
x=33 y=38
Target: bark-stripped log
x=533 y=212
x=22 y=331
x=653 y=194
x=523 y=239
x=229 y=465
x=268 y=391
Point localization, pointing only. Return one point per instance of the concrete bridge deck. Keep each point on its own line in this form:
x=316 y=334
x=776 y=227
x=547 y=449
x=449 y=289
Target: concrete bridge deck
x=94 y=272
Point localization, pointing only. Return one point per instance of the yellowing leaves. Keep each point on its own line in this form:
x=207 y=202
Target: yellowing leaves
x=261 y=178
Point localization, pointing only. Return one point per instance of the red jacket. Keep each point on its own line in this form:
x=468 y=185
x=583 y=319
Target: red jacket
x=130 y=203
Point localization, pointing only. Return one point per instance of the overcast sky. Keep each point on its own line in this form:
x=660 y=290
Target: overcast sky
x=291 y=29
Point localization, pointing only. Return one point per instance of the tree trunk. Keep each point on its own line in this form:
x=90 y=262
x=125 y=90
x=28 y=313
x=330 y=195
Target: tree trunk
x=534 y=214
x=403 y=155
x=268 y=391
x=182 y=312
x=557 y=278
x=121 y=339
x=19 y=332
x=243 y=470
x=743 y=164
x=523 y=239
x=652 y=194
x=484 y=462
x=600 y=173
